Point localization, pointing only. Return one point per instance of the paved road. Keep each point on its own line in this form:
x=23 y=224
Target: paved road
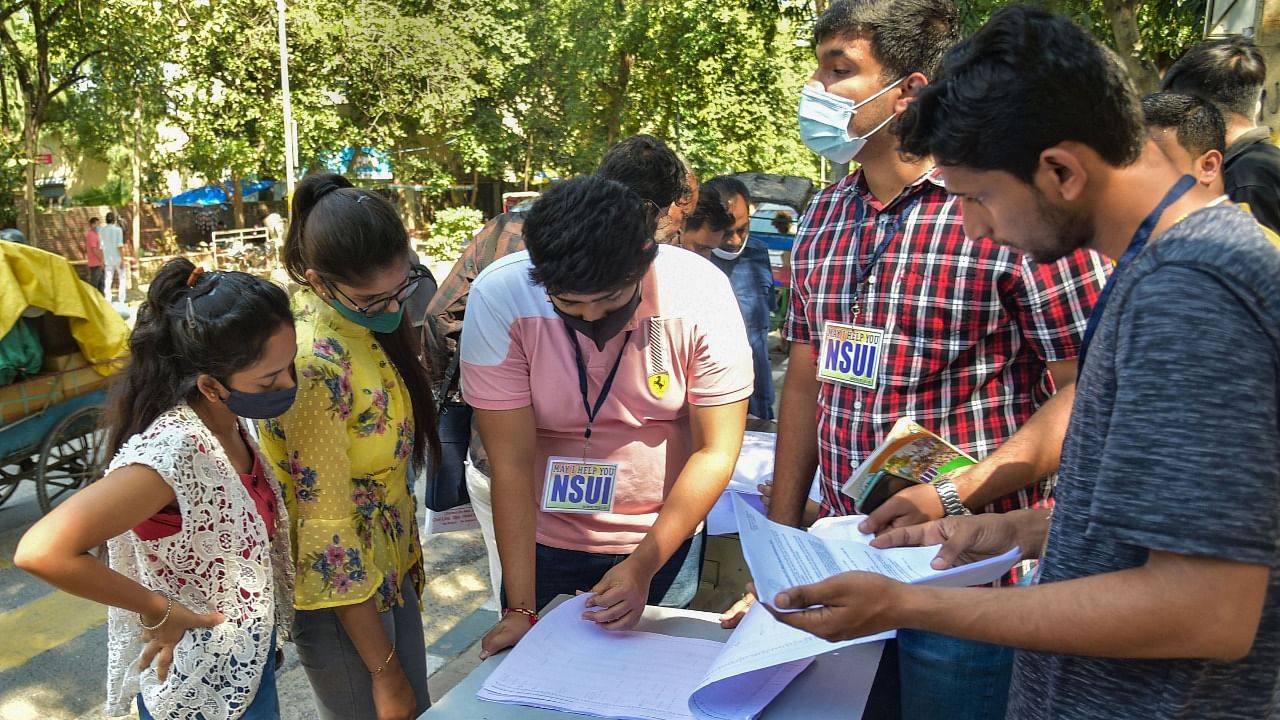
x=53 y=646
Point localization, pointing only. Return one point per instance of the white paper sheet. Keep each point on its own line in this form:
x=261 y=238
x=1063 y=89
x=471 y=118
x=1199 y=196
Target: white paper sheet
x=571 y=664
x=780 y=557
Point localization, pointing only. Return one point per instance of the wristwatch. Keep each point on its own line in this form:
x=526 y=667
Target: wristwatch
x=951 y=504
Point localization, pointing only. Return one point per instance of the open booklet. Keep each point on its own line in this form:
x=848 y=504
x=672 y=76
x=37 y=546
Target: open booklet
x=909 y=455
x=568 y=663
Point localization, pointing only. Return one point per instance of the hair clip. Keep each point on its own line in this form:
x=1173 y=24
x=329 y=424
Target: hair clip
x=194 y=276
x=191 y=314
x=361 y=198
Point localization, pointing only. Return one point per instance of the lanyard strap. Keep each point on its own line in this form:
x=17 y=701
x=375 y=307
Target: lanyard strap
x=591 y=410
x=864 y=272
x=1140 y=238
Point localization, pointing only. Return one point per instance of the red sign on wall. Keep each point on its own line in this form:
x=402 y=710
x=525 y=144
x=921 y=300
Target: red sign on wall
x=44 y=159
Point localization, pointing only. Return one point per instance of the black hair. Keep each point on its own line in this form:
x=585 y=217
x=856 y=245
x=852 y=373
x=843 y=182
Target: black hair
x=191 y=324
x=93 y=220
x=590 y=235
x=1199 y=126
x=729 y=186
x=1228 y=72
x=646 y=165
x=1024 y=82
x=111 y=217
x=347 y=235
x=712 y=211
x=906 y=36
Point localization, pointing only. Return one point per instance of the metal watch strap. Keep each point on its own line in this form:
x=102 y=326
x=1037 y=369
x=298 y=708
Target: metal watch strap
x=951 y=504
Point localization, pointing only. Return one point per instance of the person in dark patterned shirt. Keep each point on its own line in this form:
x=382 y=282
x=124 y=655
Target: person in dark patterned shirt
x=1159 y=588
x=965 y=336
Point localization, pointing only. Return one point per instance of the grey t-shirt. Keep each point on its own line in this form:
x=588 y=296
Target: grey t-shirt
x=1174 y=445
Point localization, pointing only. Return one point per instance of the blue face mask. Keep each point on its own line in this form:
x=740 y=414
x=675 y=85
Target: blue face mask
x=825 y=119
x=381 y=323
x=260 y=406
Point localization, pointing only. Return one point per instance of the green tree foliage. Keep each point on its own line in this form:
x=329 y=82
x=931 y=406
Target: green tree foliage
x=719 y=81
x=46 y=45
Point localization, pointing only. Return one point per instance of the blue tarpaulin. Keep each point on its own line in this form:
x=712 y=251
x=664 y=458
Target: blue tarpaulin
x=214 y=194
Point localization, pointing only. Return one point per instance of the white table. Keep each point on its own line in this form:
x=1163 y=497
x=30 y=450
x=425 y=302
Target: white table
x=827 y=690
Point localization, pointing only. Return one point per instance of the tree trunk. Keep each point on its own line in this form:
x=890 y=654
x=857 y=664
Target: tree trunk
x=135 y=162
x=1124 y=25
x=617 y=92
x=237 y=201
x=618 y=95
x=30 y=137
x=528 y=161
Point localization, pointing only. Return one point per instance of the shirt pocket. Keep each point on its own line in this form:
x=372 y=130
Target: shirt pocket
x=941 y=316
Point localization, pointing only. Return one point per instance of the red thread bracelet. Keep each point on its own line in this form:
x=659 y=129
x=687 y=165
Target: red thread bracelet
x=533 y=616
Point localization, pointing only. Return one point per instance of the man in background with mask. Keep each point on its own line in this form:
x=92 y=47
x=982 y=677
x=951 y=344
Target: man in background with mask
x=609 y=375
x=964 y=336
x=746 y=262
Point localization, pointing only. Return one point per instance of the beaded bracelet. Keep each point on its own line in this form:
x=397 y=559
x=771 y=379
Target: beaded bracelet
x=533 y=616
x=168 y=610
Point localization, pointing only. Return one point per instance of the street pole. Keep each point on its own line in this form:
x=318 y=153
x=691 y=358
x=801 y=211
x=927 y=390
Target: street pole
x=290 y=142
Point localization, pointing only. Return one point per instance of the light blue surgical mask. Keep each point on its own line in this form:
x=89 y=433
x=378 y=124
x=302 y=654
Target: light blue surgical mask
x=825 y=119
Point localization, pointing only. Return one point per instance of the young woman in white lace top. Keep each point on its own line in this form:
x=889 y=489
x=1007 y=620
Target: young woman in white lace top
x=200 y=574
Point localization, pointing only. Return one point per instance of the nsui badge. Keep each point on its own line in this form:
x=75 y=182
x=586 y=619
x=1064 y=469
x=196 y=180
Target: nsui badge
x=850 y=354
x=658 y=383
x=578 y=486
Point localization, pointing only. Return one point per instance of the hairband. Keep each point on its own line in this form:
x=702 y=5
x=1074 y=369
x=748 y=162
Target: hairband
x=325 y=189
x=194 y=276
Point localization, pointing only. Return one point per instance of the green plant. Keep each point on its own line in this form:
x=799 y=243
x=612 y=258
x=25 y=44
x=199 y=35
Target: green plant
x=452 y=228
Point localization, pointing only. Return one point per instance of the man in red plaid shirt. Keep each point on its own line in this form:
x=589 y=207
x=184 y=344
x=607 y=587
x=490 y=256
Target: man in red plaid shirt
x=964 y=336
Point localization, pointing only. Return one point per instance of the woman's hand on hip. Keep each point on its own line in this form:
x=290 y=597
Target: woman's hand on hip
x=161 y=641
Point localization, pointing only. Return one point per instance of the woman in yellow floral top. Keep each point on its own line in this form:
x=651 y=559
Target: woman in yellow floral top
x=362 y=420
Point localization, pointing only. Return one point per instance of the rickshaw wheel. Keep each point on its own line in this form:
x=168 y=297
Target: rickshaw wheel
x=71 y=456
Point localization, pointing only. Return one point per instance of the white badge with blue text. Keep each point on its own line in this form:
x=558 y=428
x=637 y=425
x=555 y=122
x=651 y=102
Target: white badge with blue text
x=579 y=486
x=850 y=354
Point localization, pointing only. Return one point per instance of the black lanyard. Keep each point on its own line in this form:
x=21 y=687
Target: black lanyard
x=592 y=412
x=864 y=272
x=1138 y=242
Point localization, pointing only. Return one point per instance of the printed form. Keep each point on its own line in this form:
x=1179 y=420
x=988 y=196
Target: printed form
x=781 y=557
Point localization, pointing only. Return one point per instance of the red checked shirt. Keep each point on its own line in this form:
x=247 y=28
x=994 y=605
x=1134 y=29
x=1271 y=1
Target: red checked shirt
x=969 y=325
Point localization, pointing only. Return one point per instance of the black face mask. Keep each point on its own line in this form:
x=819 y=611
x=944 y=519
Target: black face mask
x=603 y=330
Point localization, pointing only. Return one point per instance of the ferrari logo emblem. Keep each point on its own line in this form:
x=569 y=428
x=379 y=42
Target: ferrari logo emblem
x=658 y=383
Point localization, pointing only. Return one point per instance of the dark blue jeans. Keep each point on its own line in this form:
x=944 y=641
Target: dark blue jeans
x=925 y=675
x=264 y=706
x=564 y=572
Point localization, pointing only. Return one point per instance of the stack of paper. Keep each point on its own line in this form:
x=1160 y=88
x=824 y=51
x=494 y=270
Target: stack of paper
x=571 y=664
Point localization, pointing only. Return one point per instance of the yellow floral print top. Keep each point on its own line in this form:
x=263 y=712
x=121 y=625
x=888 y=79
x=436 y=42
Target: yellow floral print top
x=342 y=456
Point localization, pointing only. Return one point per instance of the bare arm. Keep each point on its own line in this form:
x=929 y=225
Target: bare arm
x=717 y=441
x=509 y=436
x=1216 y=606
x=56 y=550
x=796 y=457
x=1032 y=453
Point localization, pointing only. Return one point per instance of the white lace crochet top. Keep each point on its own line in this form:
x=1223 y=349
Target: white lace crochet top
x=221 y=560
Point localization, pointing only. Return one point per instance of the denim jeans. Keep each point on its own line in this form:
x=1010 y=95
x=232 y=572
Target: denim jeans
x=340 y=681
x=564 y=572
x=265 y=704
x=924 y=676
x=944 y=677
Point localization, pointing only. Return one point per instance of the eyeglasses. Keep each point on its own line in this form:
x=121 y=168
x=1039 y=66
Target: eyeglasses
x=379 y=306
